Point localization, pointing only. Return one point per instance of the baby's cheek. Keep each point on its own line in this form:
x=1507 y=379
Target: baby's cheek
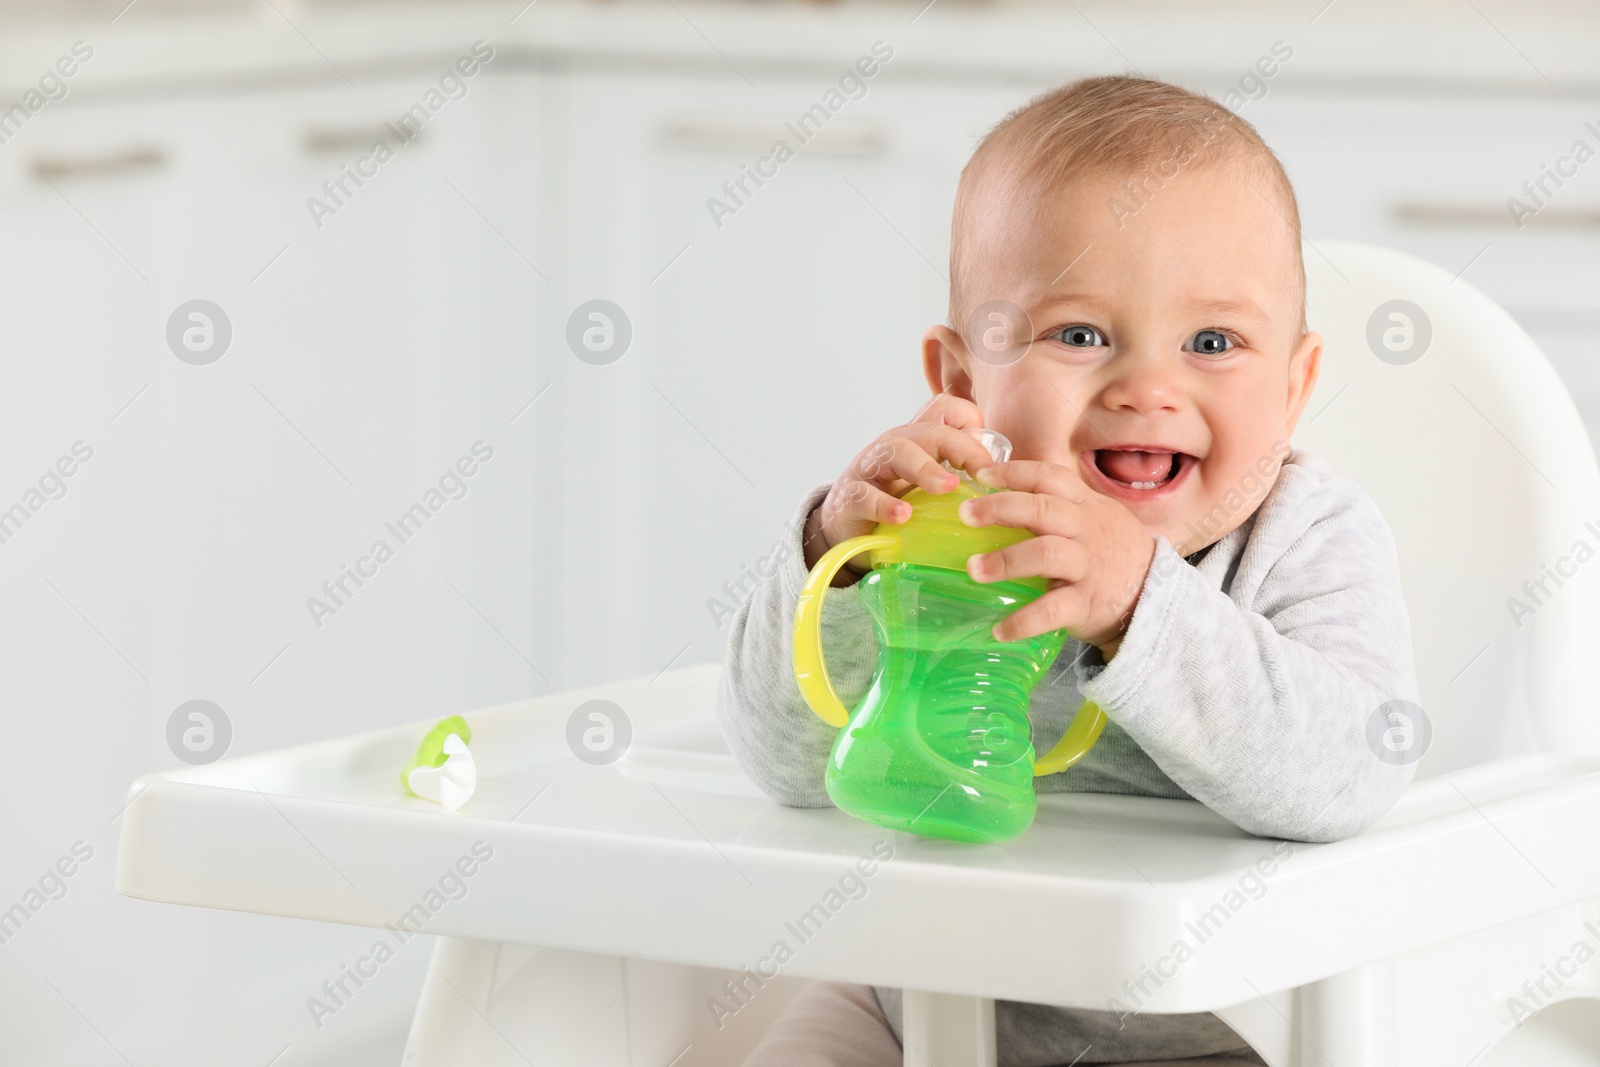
x=1230 y=486
x=1041 y=413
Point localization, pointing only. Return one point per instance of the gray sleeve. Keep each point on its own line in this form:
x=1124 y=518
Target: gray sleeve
x=775 y=736
x=1258 y=702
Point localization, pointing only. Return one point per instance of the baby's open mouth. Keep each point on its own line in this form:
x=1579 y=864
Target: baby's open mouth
x=1139 y=469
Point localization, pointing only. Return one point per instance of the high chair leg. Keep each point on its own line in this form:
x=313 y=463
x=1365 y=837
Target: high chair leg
x=505 y=1005
x=455 y=993
x=945 y=1030
x=1466 y=1000
x=1350 y=1018
x=486 y=1004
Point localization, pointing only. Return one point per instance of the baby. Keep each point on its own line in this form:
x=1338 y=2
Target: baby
x=1127 y=306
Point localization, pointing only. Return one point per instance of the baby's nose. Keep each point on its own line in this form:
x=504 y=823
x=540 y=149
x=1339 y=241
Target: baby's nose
x=1142 y=385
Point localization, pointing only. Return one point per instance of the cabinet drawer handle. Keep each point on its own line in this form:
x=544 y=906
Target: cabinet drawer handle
x=100 y=165
x=1558 y=320
x=1415 y=213
x=342 y=140
x=837 y=137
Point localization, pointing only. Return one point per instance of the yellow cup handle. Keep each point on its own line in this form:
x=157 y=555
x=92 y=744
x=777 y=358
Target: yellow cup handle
x=1075 y=743
x=809 y=670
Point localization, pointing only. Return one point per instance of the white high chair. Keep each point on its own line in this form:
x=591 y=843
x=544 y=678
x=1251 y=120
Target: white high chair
x=620 y=899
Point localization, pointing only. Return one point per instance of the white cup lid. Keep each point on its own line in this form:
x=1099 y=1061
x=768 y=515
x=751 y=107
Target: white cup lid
x=996 y=442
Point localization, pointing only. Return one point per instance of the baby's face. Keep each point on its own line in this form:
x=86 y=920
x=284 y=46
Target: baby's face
x=1167 y=364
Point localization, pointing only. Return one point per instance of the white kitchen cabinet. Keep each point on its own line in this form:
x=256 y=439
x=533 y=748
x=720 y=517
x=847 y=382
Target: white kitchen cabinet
x=1431 y=175
x=366 y=357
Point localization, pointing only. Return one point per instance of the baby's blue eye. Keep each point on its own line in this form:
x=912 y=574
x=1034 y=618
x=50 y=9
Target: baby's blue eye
x=1080 y=336
x=1209 y=343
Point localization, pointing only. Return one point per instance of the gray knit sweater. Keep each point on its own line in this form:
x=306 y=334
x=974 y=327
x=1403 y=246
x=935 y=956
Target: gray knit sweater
x=1247 y=680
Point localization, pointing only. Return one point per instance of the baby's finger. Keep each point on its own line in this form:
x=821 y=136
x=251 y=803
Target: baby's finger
x=1038 y=557
x=957 y=446
x=1037 y=476
x=860 y=504
x=951 y=410
x=892 y=460
x=1060 y=608
x=1038 y=513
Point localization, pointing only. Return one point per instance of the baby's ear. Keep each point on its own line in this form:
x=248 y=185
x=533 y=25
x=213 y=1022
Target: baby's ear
x=1304 y=363
x=945 y=362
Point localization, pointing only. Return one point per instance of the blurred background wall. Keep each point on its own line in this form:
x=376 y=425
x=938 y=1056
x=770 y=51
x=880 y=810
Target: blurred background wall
x=355 y=339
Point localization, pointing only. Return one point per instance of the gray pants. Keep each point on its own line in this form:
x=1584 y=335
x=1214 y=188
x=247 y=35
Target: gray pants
x=836 y=1024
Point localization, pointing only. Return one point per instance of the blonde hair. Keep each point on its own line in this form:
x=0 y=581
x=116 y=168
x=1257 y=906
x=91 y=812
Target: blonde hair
x=1114 y=125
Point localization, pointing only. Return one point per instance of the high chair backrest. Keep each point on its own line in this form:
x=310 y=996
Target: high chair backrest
x=1438 y=404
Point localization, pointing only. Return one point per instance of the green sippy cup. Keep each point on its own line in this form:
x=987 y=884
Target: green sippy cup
x=940 y=744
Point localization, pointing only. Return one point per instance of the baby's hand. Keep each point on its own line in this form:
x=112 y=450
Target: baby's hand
x=868 y=490
x=1093 y=551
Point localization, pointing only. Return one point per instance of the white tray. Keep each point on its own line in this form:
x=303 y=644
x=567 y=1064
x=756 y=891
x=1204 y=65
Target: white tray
x=672 y=854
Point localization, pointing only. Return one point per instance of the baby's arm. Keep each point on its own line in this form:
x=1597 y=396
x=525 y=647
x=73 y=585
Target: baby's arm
x=1257 y=703
x=779 y=741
